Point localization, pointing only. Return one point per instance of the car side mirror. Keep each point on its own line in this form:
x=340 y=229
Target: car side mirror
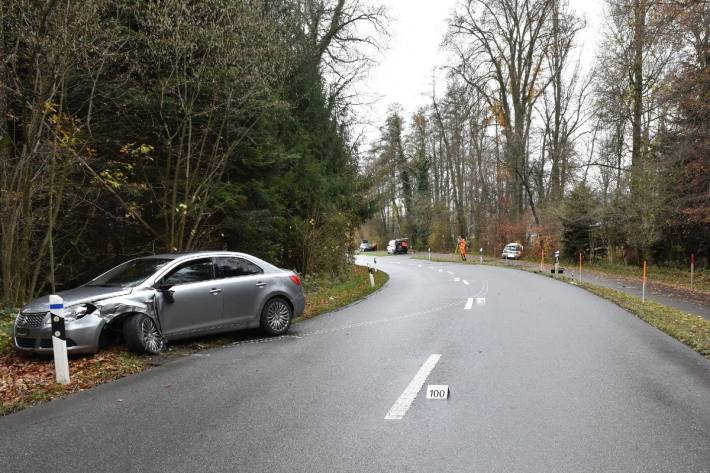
x=165 y=290
x=163 y=287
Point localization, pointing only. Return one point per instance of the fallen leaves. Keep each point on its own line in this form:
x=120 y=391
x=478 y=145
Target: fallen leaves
x=25 y=381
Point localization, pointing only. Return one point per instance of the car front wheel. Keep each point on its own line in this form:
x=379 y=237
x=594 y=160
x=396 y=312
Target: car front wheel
x=276 y=316
x=142 y=335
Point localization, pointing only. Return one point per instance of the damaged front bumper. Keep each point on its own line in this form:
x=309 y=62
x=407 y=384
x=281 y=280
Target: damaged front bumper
x=82 y=336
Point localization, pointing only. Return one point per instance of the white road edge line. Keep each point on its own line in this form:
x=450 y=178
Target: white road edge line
x=469 y=304
x=450 y=272
x=401 y=405
x=465 y=282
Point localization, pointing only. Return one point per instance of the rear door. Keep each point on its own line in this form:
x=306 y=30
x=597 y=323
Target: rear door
x=245 y=288
x=194 y=303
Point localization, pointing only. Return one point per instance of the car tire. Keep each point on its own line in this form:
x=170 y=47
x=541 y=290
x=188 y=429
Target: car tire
x=142 y=335
x=276 y=316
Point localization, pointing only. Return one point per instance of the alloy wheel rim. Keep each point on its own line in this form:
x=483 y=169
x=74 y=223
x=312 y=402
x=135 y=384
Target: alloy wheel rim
x=277 y=315
x=153 y=340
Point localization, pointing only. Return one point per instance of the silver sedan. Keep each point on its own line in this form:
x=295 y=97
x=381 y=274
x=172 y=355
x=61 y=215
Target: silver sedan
x=149 y=301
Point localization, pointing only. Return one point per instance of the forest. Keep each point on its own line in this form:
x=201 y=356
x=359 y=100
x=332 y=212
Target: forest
x=134 y=127
x=526 y=142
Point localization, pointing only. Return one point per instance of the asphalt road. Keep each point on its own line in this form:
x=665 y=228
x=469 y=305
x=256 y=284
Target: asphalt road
x=692 y=302
x=543 y=376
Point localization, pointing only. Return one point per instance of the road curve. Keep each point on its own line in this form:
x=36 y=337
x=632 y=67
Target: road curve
x=543 y=377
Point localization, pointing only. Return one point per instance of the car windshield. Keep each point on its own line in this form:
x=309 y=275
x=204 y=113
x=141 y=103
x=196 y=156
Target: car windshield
x=129 y=274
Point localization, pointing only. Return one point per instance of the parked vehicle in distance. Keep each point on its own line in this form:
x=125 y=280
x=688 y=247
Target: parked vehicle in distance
x=512 y=251
x=149 y=301
x=398 y=246
x=367 y=246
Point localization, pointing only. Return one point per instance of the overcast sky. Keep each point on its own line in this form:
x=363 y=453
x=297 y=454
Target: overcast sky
x=404 y=72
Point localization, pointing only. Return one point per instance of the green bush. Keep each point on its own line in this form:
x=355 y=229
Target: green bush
x=7 y=317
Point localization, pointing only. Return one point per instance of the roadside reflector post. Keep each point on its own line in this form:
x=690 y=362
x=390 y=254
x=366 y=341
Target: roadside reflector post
x=692 y=269
x=372 y=276
x=480 y=252
x=429 y=254
x=557 y=262
x=643 y=285
x=59 y=339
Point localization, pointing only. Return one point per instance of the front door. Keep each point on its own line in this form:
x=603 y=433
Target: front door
x=194 y=301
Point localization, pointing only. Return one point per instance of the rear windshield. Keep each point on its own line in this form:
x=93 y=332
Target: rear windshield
x=511 y=248
x=131 y=273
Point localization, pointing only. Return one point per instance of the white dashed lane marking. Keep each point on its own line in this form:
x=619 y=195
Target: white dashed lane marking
x=469 y=304
x=405 y=400
x=465 y=282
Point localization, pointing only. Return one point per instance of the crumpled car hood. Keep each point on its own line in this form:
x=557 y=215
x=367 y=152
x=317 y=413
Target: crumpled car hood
x=78 y=295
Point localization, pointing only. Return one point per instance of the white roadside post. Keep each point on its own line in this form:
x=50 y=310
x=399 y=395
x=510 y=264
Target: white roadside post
x=429 y=254
x=557 y=262
x=372 y=277
x=59 y=339
x=480 y=252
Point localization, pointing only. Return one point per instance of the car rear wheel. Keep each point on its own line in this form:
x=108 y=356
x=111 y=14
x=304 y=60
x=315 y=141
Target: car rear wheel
x=142 y=335
x=276 y=316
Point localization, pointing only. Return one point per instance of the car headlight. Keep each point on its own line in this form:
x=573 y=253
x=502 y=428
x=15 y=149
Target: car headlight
x=74 y=312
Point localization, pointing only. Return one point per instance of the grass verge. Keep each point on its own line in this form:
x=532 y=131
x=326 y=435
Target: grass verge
x=27 y=380
x=689 y=329
x=325 y=294
x=675 y=277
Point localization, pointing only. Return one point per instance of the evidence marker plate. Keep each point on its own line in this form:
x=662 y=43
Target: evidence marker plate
x=437 y=391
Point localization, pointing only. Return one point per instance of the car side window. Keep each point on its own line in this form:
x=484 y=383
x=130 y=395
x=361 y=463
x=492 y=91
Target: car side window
x=229 y=267
x=192 y=271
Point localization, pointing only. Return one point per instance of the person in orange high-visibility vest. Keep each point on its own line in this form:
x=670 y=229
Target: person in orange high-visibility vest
x=462 y=248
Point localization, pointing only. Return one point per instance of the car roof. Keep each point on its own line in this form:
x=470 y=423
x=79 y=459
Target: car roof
x=192 y=254
x=211 y=253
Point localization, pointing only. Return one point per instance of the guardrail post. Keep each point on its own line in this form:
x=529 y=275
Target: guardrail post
x=59 y=339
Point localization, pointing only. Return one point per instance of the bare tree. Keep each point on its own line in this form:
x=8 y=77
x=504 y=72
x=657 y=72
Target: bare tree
x=502 y=46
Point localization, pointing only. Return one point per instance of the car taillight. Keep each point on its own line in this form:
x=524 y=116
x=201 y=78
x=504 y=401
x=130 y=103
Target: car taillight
x=296 y=280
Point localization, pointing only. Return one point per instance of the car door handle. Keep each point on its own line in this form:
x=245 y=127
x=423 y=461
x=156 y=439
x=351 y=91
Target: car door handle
x=215 y=291
x=261 y=284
